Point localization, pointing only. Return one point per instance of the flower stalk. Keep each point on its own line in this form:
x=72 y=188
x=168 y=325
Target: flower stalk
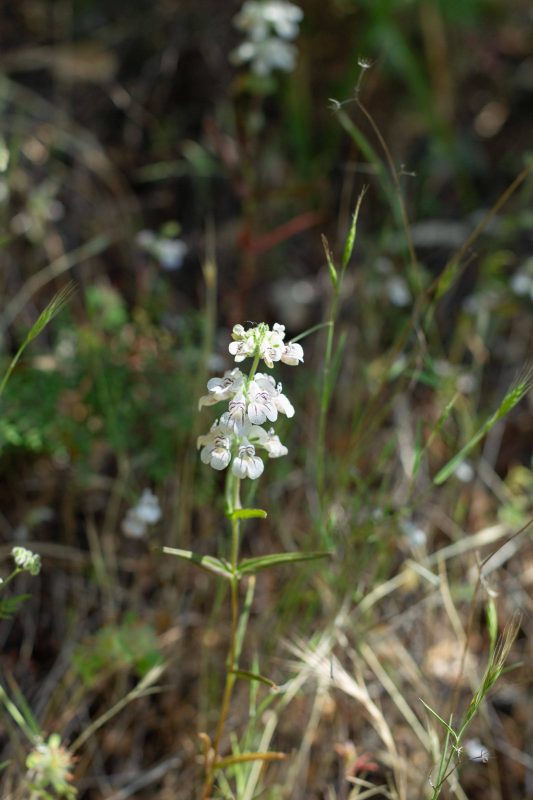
x=254 y=401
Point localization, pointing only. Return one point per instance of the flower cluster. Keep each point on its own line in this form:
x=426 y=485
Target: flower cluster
x=26 y=560
x=49 y=767
x=253 y=400
x=269 y=26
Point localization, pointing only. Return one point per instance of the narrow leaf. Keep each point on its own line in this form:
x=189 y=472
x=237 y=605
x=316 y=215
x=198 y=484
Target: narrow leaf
x=52 y=309
x=243 y=757
x=350 y=239
x=254 y=676
x=208 y=563
x=448 y=727
x=252 y=565
x=331 y=265
x=311 y=330
x=248 y=513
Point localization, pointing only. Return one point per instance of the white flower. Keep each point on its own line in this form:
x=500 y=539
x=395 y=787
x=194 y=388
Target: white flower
x=168 y=252
x=292 y=354
x=146 y=512
x=26 y=560
x=244 y=345
x=235 y=417
x=266 y=386
x=259 y=340
x=258 y=18
x=271 y=348
x=246 y=464
x=271 y=443
x=262 y=405
x=222 y=388
x=398 y=291
x=476 y=751
x=465 y=472
x=216 y=446
x=132 y=526
x=266 y=55
x=522 y=281
x=283 y=404
x=148 y=509
x=284 y=18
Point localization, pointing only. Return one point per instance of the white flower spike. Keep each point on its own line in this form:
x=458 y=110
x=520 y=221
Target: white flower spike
x=253 y=401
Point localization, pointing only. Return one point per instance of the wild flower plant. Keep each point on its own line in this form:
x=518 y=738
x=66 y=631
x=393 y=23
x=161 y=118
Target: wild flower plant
x=255 y=401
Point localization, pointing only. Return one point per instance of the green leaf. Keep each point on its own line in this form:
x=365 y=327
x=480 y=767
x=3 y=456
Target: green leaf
x=311 y=330
x=248 y=513
x=207 y=563
x=448 y=727
x=521 y=386
x=9 y=606
x=350 y=239
x=331 y=265
x=254 y=676
x=249 y=566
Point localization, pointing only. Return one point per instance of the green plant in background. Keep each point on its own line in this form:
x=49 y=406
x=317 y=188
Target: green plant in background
x=49 y=768
x=25 y=561
x=453 y=742
x=254 y=400
x=129 y=645
x=48 y=764
x=52 y=310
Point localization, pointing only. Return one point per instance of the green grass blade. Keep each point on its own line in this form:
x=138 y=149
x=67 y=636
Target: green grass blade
x=249 y=566
x=440 y=719
x=517 y=391
x=52 y=309
x=350 y=239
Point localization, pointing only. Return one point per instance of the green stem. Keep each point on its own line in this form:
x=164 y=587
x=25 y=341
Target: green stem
x=253 y=369
x=9 y=578
x=234 y=502
x=325 y=391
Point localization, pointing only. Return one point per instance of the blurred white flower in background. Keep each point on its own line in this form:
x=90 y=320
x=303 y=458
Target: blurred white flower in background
x=146 y=512
x=259 y=19
x=269 y=27
x=26 y=560
x=395 y=286
x=476 y=751
x=465 y=472
x=415 y=536
x=167 y=251
x=522 y=280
